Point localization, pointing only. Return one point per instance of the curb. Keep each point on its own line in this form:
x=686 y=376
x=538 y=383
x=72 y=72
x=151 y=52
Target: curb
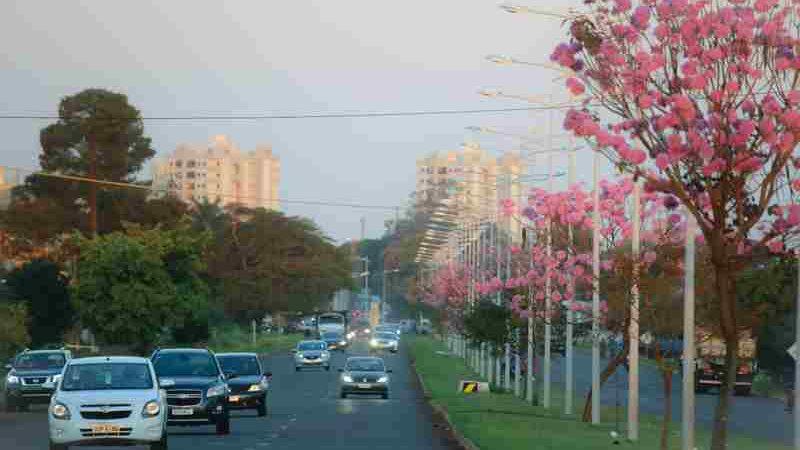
x=462 y=440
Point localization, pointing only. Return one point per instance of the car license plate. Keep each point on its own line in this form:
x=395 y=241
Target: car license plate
x=105 y=429
x=182 y=411
x=364 y=386
x=234 y=398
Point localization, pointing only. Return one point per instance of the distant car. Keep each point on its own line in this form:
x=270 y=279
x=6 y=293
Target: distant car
x=31 y=376
x=108 y=400
x=251 y=383
x=364 y=375
x=388 y=328
x=197 y=392
x=334 y=340
x=385 y=341
x=312 y=354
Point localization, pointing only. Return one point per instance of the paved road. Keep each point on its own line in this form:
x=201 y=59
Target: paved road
x=763 y=418
x=305 y=413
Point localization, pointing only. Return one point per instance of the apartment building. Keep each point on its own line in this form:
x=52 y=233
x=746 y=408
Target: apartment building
x=220 y=171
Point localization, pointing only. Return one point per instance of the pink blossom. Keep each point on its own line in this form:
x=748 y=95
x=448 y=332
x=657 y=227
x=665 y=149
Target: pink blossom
x=575 y=86
x=775 y=246
x=641 y=17
x=649 y=257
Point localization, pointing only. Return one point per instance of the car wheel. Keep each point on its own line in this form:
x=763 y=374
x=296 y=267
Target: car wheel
x=342 y=395
x=11 y=405
x=54 y=446
x=22 y=405
x=744 y=392
x=328 y=368
x=297 y=368
x=385 y=395
x=160 y=444
x=262 y=408
x=224 y=424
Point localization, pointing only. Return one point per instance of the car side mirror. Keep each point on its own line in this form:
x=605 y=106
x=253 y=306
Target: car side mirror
x=340 y=370
x=268 y=374
x=8 y=366
x=294 y=350
x=165 y=383
x=230 y=375
x=388 y=370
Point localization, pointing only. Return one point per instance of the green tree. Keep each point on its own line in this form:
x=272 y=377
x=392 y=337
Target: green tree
x=99 y=134
x=133 y=286
x=13 y=332
x=41 y=286
x=488 y=323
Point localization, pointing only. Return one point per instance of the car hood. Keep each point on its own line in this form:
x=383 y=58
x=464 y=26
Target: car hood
x=191 y=382
x=310 y=353
x=135 y=397
x=245 y=380
x=34 y=373
x=366 y=374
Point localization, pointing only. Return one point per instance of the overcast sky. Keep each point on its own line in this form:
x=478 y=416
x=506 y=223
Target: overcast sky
x=176 y=57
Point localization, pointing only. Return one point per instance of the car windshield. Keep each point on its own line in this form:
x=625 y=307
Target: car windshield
x=40 y=361
x=106 y=376
x=185 y=365
x=386 y=335
x=240 y=365
x=305 y=346
x=365 y=365
x=331 y=336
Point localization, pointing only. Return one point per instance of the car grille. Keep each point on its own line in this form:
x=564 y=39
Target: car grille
x=124 y=431
x=367 y=379
x=238 y=389
x=184 y=397
x=105 y=415
x=311 y=357
x=34 y=380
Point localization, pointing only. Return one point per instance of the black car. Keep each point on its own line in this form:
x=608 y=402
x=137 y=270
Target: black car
x=196 y=386
x=249 y=388
x=335 y=341
x=31 y=377
x=364 y=375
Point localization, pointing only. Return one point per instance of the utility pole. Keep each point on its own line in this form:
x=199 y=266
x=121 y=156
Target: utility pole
x=570 y=316
x=633 y=365
x=596 y=289
x=688 y=400
x=548 y=298
x=92 y=200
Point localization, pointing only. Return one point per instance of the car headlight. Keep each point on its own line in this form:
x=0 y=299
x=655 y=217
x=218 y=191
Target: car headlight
x=255 y=388
x=216 y=391
x=342 y=342
x=151 y=409
x=60 y=411
x=366 y=331
x=383 y=379
x=55 y=378
x=12 y=379
x=373 y=342
x=326 y=355
x=347 y=378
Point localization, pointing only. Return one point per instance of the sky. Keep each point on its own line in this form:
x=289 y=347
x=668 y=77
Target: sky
x=176 y=57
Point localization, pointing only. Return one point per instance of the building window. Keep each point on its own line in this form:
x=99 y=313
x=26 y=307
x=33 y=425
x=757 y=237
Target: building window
x=190 y=164
x=189 y=174
x=178 y=163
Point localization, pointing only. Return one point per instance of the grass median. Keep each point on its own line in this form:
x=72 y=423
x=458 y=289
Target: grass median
x=502 y=421
x=236 y=339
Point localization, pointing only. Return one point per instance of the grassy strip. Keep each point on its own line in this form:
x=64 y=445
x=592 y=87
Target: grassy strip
x=502 y=421
x=235 y=339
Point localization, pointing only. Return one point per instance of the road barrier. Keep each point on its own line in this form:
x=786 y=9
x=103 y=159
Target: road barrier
x=473 y=387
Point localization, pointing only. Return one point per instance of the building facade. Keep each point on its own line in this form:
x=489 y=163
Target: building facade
x=221 y=172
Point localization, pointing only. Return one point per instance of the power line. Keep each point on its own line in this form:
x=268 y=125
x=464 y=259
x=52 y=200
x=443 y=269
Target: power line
x=220 y=195
x=300 y=116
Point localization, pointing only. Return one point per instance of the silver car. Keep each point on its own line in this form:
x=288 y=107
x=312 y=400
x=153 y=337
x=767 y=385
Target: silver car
x=385 y=341
x=312 y=354
x=108 y=400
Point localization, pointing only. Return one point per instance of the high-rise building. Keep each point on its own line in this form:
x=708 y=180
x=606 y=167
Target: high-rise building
x=474 y=180
x=221 y=172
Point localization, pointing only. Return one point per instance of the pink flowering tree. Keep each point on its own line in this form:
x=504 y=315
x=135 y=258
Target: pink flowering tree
x=699 y=98
x=447 y=291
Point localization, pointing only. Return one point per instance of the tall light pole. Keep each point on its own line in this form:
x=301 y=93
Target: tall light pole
x=383 y=295
x=633 y=365
x=548 y=301
x=687 y=403
x=568 y=402
x=596 y=289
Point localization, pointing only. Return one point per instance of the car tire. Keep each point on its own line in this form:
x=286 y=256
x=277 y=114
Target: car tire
x=327 y=368
x=54 y=446
x=10 y=406
x=261 y=409
x=297 y=368
x=385 y=395
x=160 y=444
x=742 y=392
x=224 y=424
x=342 y=395
x=22 y=406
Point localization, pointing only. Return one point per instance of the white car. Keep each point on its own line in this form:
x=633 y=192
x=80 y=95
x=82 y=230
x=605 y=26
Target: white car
x=108 y=400
x=312 y=354
x=385 y=341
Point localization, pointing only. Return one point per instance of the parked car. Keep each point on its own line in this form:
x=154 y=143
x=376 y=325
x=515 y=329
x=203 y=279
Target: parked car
x=30 y=377
x=364 y=375
x=198 y=393
x=334 y=340
x=312 y=354
x=385 y=340
x=250 y=386
x=108 y=400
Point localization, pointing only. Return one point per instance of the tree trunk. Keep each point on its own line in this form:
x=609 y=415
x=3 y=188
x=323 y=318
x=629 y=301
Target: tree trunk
x=724 y=287
x=92 y=200
x=666 y=374
x=610 y=369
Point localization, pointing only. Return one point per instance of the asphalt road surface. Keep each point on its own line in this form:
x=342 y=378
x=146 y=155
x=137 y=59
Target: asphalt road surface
x=305 y=412
x=762 y=418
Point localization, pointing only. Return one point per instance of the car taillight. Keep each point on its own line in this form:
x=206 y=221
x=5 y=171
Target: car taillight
x=708 y=371
x=743 y=370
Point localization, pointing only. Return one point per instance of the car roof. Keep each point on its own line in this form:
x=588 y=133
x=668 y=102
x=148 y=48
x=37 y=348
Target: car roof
x=241 y=354
x=34 y=352
x=109 y=359
x=183 y=350
x=362 y=358
x=313 y=341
